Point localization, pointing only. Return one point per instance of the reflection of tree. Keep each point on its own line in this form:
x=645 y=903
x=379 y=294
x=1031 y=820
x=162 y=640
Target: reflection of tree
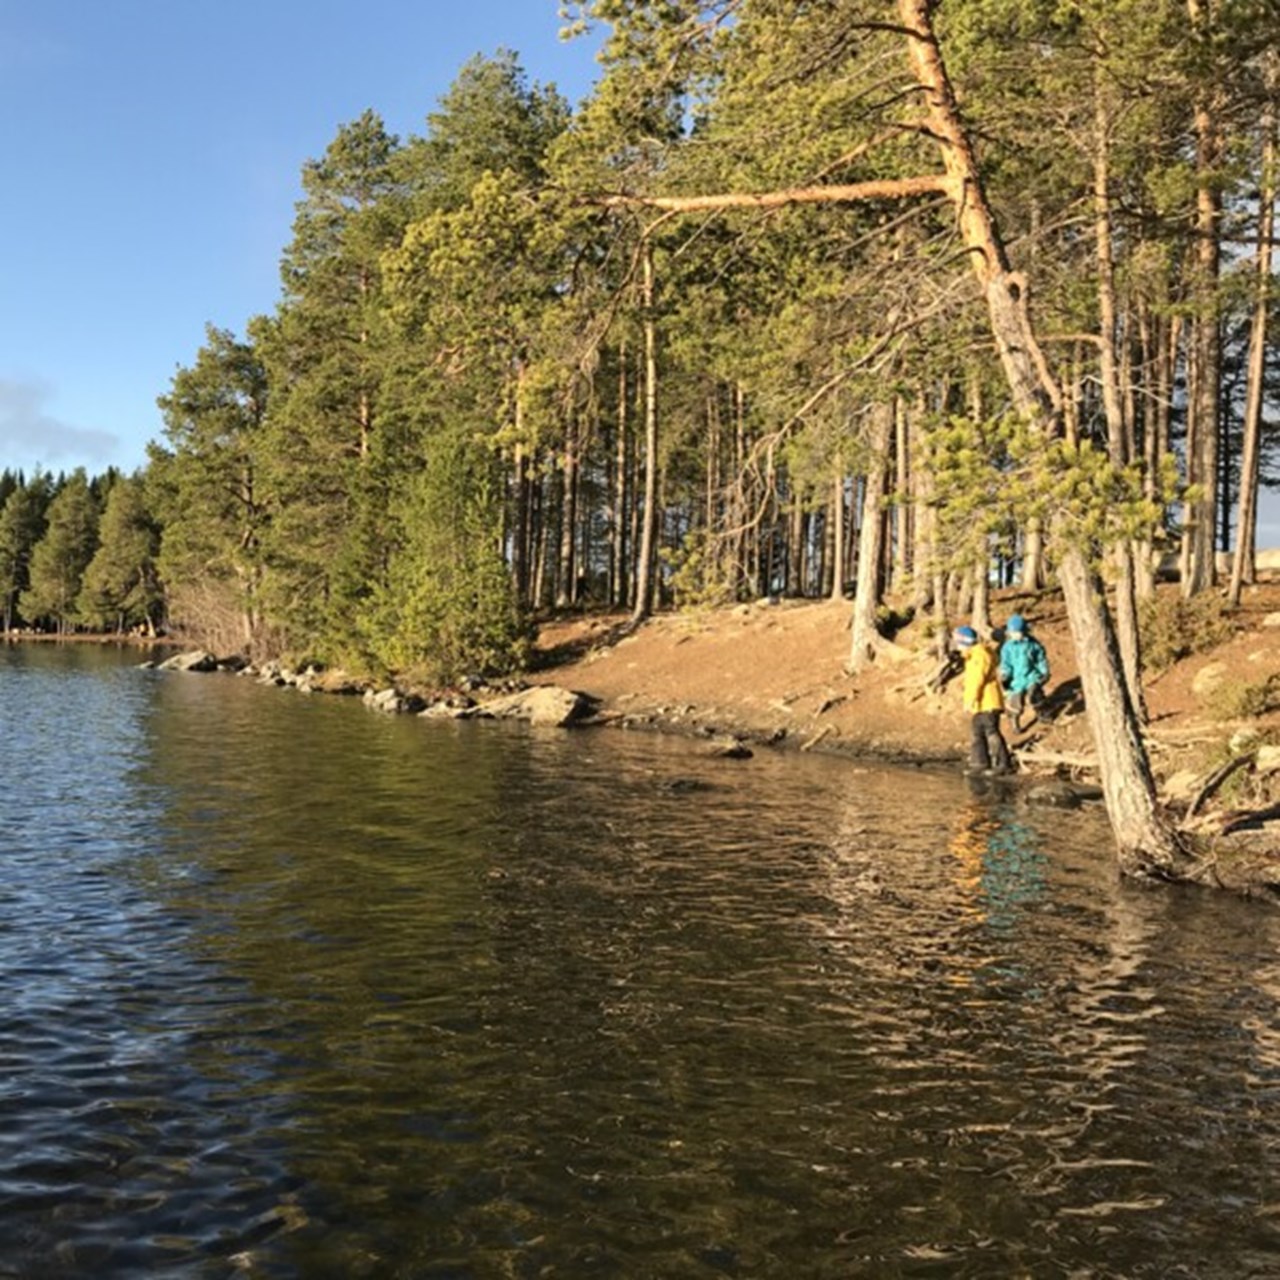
x=328 y=864
x=1266 y=1030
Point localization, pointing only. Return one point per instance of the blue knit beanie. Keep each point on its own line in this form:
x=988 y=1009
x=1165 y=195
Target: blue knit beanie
x=1016 y=625
x=966 y=637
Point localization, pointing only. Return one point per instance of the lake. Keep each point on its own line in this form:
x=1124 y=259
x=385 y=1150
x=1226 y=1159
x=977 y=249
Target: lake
x=295 y=989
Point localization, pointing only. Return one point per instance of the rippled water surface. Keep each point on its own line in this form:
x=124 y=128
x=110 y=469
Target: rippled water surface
x=297 y=990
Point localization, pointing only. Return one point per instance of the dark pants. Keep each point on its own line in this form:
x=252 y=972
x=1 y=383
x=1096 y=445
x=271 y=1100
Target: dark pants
x=1016 y=702
x=987 y=747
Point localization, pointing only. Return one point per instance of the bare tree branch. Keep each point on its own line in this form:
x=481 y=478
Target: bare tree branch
x=884 y=189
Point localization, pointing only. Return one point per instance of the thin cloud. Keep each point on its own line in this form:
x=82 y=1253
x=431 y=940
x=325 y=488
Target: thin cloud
x=28 y=434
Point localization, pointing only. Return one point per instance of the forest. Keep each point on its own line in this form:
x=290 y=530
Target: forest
x=891 y=299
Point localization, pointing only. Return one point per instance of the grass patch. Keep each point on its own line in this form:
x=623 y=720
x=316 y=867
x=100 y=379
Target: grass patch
x=1243 y=699
x=1172 y=628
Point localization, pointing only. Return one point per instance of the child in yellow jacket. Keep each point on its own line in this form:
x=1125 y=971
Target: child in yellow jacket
x=984 y=701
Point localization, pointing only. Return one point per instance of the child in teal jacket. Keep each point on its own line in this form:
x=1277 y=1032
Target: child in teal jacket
x=1024 y=671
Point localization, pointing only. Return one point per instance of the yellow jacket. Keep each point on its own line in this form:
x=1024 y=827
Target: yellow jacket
x=982 y=680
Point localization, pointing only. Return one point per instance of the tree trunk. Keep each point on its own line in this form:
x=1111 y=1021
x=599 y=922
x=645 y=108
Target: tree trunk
x=741 y=566
x=1242 y=565
x=1109 y=373
x=1145 y=842
x=521 y=529
x=540 y=525
x=795 y=542
x=980 y=610
x=618 y=559
x=902 y=509
x=1202 y=451
x=866 y=600
x=1144 y=576
x=649 y=524
x=566 y=561
x=837 y=535
x=710 y=543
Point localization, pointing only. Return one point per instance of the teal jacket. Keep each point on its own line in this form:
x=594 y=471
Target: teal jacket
x=1023 y=664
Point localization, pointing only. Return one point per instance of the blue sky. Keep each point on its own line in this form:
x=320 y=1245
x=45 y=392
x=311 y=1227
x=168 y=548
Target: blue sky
x=153 y=150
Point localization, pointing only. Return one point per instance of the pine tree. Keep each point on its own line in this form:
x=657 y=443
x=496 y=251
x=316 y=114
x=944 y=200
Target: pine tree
x=207 y=489
x=22 y=525
x=325 y=353
x=59 y=559
x=121 y=588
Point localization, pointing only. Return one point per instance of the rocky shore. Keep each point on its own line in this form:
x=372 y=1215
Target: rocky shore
x=771 y=675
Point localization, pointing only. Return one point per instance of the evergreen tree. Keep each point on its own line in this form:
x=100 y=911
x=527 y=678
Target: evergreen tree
x=22 y=525
x=207 y=490
x=490 y=121
x=325 y=352
x=120 y=588
x=447 y=607
x=59 y=559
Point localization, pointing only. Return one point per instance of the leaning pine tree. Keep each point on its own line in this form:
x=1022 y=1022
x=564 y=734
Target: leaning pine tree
x=1147 y=843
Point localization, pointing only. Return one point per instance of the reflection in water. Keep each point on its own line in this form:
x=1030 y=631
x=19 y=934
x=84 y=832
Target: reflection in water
x=1001 y=866
x=1265 y=1030
x=310 y=991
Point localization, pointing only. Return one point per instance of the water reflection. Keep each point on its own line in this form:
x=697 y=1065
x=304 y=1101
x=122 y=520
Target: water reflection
x=1001 y=863
x=337 y=994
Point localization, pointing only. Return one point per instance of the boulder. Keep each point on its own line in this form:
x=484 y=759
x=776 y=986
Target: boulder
x=541 y=705
x=1054 y=795
x=196 y=660
x=1208 y=678
x=1268 y=760
x=448 y=709
x=393 y=702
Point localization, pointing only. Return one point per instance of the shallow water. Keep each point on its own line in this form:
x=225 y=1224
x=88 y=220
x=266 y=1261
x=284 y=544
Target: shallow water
x=299 y=990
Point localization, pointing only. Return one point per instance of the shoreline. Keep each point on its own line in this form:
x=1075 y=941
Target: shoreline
x=769 y=675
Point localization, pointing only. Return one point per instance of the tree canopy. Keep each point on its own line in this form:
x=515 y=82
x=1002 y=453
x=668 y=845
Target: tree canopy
x=688 y=339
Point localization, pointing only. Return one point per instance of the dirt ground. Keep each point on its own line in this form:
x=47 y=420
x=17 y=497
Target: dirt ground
x=774 y=672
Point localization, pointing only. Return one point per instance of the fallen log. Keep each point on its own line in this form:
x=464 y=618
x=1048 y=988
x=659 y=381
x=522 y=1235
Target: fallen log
x=1054 y=759
x=1215 y=780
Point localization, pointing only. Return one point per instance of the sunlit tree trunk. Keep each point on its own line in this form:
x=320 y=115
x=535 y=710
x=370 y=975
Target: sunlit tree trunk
x=711 y=488
x=741 y=560
x=795 y=540
x=866 y=598
x=903 y=511
x=539 y=524
x=836 y=536
x=1203 y=441
x=649 y=523
x=1242 y=565
x=566 y=561
x=1109 y=372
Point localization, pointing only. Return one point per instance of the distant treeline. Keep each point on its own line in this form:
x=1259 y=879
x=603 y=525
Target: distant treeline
x=715 y=334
